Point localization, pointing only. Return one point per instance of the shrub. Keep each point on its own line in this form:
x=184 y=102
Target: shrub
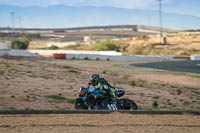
x=155 y=104
x=104 y=72
x=86 y=58
x=21 y=43
x=61 y=98
x=97 y=59
x=72 y=71
x=136 y=50
x=107 y=46
x=132 y=83
x=53 y=47
x=56 y=97
x=145 y=38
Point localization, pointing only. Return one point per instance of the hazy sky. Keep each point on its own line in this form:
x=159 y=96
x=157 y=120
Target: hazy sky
x=33 y=16
x=190 y=7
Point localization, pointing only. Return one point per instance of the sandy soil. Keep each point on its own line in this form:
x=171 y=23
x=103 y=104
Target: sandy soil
x=177 y=45
x=54 y=84
x=108 y=123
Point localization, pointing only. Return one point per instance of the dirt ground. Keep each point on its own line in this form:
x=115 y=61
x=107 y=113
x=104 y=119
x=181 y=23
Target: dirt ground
x=177 y=45
x=27 y=83
x=107 y=123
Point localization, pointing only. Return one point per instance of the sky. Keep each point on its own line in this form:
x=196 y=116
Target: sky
x=190 y=7
x=184 y=7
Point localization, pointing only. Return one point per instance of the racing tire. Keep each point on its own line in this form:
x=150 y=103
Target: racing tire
x=127 y=104
x=79 y=104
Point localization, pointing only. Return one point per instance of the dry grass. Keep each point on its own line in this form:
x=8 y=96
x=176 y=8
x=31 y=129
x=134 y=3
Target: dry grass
x=98 y=123
x=177 y=45
x=26 y=84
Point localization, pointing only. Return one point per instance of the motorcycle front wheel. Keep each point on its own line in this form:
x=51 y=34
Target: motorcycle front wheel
x=127 y=104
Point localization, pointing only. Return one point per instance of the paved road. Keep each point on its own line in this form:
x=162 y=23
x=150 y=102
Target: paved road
x=178 y=66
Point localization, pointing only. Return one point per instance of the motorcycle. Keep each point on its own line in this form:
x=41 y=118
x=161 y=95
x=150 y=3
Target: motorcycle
x=94 y=99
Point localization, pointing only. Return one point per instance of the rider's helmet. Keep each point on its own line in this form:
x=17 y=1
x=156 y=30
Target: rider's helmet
x=94 y=79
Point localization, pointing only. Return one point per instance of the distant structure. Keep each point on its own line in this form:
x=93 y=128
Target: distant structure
x=80 y=34
x=108 y=29
x=5 y=45
x=87 y=39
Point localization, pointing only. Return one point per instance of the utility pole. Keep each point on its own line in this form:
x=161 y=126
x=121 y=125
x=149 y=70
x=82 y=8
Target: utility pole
x=12 y=20
x=160 y=18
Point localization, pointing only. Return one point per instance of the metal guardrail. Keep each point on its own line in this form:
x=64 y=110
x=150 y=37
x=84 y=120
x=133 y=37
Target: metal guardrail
x=16 y=112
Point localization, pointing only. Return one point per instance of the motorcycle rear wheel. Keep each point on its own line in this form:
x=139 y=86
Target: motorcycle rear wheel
x=80 y=105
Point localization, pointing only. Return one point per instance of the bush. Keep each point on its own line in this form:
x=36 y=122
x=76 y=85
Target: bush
x=132 y=83
x=136 y=50
x=53 y=47
x=21 y=43
x=155 y=104
x=107 y=46
x=145 y=38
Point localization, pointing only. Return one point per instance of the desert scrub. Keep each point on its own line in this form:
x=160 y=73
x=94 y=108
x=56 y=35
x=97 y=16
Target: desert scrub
x=56 y=97
x=156 y=97
x=72 y=71
x=155 y=104
x=21 y=43
x=126 y=76
x=107 y=46
x=12 y=108
x=145 y=38
x=33 y=76
x=192 y=89
x=179 y=92
x=72 y=47
x=44 y=77
x=132 y=83
x=61 y=98
x=196 y=76
x=143 y=49
x=135 y=49
x=53 y=47
x=110 y=73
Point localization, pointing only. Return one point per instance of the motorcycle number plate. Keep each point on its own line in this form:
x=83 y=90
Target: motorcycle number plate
x=112 y=106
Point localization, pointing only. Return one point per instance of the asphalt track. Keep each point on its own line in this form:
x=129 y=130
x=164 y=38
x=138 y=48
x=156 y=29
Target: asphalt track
x=16 y=112
x=177 y=66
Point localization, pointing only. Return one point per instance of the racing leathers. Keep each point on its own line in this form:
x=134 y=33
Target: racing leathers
x=105 y=87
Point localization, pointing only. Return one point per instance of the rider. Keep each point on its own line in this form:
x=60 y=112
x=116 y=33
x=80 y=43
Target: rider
x=102 y=84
